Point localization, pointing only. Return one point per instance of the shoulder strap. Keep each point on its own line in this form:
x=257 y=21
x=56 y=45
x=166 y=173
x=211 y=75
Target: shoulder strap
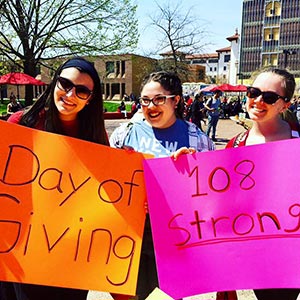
x=239 y=138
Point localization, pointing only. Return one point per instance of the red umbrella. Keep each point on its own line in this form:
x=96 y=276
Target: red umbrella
x=230 y=88
x=241 y=88
x=209 y=88
x=19 y=79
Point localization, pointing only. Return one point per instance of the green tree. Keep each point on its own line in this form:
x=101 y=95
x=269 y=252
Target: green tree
x=34 y=31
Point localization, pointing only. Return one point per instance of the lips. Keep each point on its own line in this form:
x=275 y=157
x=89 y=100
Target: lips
x=256 y=109
x=257 y=112
x=66 y=102
x=154 y=115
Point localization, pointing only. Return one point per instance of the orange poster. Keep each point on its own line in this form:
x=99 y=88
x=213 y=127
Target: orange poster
x=72 y=212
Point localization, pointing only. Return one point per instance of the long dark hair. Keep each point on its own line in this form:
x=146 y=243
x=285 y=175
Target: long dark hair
x=170 y=82
x=91 y=120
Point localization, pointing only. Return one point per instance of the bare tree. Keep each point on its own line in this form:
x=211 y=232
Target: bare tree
x=33 y=31
x=181 y=33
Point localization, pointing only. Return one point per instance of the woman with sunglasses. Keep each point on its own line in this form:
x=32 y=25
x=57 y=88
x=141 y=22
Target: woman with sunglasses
x=162 y=132
x=72 y=106
x=267 y=102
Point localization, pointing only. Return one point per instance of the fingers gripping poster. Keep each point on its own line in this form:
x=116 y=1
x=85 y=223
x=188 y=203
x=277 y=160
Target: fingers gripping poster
x=72 y=212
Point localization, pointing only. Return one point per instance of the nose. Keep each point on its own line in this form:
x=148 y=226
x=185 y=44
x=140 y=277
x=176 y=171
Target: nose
x=259 y=99
x=151 y=104
x=71 y=92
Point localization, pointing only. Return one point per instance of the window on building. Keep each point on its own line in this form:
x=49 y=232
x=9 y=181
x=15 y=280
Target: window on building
x=224 y=68
x=215 y=69
x=277 y=8
x=227 y=58
x=274 y=59
x=198 y=61
x=273 y=9
x=269 y=60
x=123 y=64
x=110 y=69
x=210 y=69
x=118 y=69
x=115 y=89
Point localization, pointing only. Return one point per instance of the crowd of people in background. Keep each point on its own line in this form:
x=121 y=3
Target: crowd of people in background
x=295 y=107
x=229 y=106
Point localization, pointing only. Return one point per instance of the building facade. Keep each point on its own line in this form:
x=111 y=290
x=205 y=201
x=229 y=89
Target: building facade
x=209 y=61
x=119 y=74
x=123 y=74
x=270 y=36
x=221 y=66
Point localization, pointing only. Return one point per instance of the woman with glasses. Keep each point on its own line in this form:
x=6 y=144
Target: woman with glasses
x=267 y=104
x=72 y=106
x=162 y=132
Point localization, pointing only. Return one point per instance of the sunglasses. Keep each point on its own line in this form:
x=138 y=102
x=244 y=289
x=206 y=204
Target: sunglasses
x=67 y=85
x=268 y=97
x=157 y=100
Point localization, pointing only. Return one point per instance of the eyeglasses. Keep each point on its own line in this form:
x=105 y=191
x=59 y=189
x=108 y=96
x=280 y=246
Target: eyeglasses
x=67 y=85
x=268 y=97
x=157 y=100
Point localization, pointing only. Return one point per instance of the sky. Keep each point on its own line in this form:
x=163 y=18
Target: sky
x=221 y=17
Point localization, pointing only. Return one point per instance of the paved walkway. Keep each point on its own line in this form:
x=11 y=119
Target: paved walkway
x=226 y=129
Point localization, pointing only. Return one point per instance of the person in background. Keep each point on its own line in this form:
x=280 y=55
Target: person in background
x=72 y=106
x=198 y=110
x=188 y=101
x=122 y=108
x=267 y=104
x=14 y=105
x=297 y=109
x=135 y=107
x=162 y=132
x=126 y=98
x=212 y=106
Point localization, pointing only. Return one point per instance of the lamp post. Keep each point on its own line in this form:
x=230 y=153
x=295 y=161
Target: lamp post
x=286 y=53
x=241 y=76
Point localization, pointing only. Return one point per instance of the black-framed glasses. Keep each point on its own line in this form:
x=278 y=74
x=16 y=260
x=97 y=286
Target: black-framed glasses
x=268 y=97
x=157 y=100
x=67 y=85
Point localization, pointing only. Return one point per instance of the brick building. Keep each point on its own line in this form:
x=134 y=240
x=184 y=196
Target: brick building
x=119 y=74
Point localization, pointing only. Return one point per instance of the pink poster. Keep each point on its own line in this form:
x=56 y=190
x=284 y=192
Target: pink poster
x=227 y=219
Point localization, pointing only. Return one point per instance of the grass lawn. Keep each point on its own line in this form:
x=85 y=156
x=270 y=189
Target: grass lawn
x=110 y=106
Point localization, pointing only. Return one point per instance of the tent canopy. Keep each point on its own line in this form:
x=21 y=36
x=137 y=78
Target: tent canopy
x=19 y=79
x=230 y=88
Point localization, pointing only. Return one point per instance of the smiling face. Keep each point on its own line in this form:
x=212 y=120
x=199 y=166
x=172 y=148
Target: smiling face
x=259 y=110
x=67 y=103
x=160 y=116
